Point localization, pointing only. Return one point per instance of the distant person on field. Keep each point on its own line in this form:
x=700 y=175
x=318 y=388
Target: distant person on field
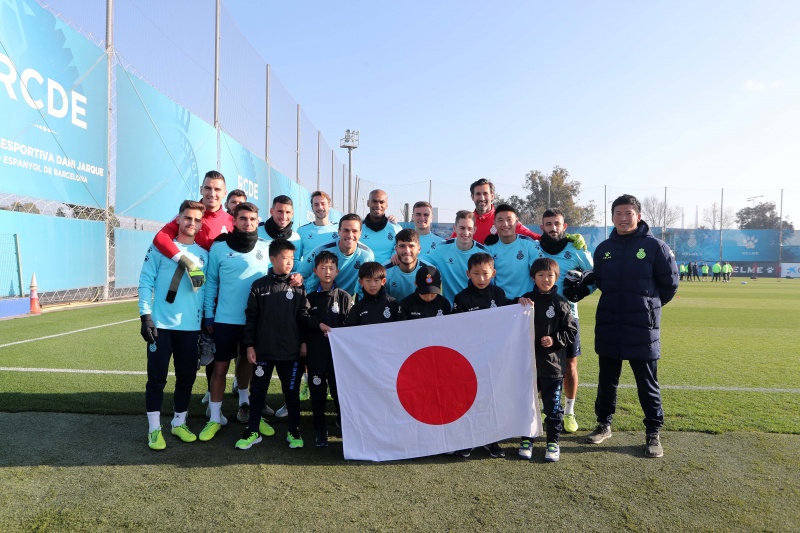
x=172 y=328
x=704 y=270
x=637 y=275
x=727 y=270
x=682 y=270
x=555 y=330
x=716 y=269
x=695 y=272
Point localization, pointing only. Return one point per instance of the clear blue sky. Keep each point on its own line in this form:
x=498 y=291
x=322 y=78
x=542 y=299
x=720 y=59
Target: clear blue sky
x=693 y=96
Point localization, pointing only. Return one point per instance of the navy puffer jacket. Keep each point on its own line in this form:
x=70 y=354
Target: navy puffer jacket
x=637 y=275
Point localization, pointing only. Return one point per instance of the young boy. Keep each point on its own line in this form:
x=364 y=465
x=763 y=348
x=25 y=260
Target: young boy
x=330 y=306
x=481 y=294
x=275 y=313
x=376 y=307
x=554 y=324
x=427 y=301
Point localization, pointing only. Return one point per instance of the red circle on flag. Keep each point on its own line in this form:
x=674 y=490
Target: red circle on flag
x=436 y=385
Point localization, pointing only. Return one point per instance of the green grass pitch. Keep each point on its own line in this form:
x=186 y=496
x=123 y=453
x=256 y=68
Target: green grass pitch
x=73 y=453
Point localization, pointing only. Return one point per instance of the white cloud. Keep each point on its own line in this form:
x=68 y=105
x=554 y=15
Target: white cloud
x=761 y=86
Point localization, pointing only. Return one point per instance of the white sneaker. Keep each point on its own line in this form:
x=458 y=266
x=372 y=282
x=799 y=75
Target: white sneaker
x=206 y=397
x=526 y=449
x=553 y=453
x=267 y=411
x=282 y=412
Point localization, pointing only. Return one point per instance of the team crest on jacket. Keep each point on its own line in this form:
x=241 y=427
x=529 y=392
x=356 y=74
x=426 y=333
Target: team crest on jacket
x=390 y=236
x=335 y=308
x=387 y=313
x=357 y=265
x=567 y=255
x=439 y=313
x=317 y=381
x=551 y=312
x=520 y=255
x=493 y=231
x=289 y=295
x=640 y=254
x=259 y=371
x=259 y=255
x=152 y=347
x=493 y=304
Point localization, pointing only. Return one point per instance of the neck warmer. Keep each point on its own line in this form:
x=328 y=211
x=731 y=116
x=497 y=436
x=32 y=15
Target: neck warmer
x=376 y=226
x=552 y=246
x=241 y=241
x=275 y=232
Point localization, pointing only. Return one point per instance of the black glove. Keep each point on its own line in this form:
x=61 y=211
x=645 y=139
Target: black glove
x=195 y=273
x=491 y=239
x=149 y=331
x=576 y=294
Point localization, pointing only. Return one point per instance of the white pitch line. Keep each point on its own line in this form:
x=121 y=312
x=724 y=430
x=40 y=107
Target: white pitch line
x=67 y=333
x=590 y=385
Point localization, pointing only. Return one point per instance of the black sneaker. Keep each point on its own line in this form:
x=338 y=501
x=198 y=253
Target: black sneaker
x=653 y=447
x=322 y=439
x=495 y=450
x=463 y=453
x=600 y=433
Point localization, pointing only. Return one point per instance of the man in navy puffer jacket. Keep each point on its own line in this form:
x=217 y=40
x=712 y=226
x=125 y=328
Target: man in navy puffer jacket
x=637 y=275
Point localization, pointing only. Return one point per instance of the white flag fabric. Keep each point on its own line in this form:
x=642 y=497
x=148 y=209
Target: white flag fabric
x=435 y=385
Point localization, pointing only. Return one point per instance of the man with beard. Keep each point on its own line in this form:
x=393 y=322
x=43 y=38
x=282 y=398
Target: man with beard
x=236 y=260
x=401 y=278
x=557 y=246
x=482 y=192
x=378 y=232
x=279 y=225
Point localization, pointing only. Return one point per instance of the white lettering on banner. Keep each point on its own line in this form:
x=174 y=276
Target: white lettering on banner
x=31 y=77
x=250 y=188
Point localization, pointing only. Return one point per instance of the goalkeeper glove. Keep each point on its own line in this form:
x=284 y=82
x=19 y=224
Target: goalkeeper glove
x=577 y=240
x=195 y=273
x=148 y=331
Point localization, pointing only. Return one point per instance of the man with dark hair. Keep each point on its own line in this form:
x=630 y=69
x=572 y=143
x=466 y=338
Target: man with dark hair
x=400 y=278
x=350 y=252
x=637 y=275
x=215 y=221
x=236 y=260
x=279 y=225
x=513 y=254
x=235 y=197
x=378 y=231
x=555 y=245
x=171 y=328
x=482 y=193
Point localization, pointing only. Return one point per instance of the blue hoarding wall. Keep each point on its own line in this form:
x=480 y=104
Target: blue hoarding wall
x=54 y=108
x=163 y=151
x=246 y=171
x=130 y=248
x=65 y=253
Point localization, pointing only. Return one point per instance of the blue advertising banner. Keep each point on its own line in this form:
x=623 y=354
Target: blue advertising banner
x=65 y=253
x=130 y=248
x=54 y=108
x=756 y=245
x=163 y=151
x=281 y=184
x=246 y=171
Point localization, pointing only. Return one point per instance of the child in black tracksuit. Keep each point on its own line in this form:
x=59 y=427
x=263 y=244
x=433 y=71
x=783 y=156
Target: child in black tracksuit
x=376 y=306
x=330 y=305
x=427 y=301
x=276 y=314
x=555 y=329
x=481 y=294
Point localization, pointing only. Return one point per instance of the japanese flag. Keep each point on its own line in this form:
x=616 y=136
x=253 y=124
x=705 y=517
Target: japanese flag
x=435 y=385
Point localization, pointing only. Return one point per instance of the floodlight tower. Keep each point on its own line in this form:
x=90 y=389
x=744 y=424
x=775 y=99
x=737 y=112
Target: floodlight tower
x=350 y=143
x=753 y=199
